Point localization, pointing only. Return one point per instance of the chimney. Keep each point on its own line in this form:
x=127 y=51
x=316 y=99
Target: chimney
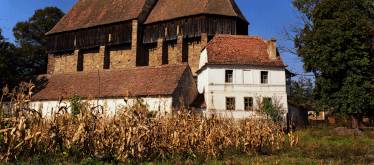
x=272 y=48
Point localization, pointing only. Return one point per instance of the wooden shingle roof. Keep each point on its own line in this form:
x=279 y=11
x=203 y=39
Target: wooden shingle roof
x=90 y=13
x=171 y=9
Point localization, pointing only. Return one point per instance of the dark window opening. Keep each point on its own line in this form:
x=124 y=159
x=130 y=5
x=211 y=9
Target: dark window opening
x=185 y=50
x=264 y=77
x=106 y=58
x=80 y=61
x=165 y=54
x=229 y=76
x=288 y=81
x=310 y=114
x=248 y=103
x=230 y=103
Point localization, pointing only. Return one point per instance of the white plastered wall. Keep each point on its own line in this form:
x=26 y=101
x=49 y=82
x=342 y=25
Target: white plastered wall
x=246 y=83
x=161 y=104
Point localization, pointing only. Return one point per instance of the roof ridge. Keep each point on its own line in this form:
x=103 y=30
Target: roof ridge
x=241 y=36
x=232 y=8
x=206 y=5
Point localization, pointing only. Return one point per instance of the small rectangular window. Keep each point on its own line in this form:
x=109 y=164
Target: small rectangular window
x=230 y=103
x=264 y=77
x=80 y=61
x=229 y=76
x=288 y=81
x=248 y=103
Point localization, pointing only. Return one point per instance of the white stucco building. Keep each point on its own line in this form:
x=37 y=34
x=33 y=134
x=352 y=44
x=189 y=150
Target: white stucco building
x=236 y=71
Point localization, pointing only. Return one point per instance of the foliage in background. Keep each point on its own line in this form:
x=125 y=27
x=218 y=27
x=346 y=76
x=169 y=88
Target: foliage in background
x=336 y=48
x=31 y=41
x=306 y=7
x=8 y=62
x=272 y=107
x=302 y=92
x=76 y=104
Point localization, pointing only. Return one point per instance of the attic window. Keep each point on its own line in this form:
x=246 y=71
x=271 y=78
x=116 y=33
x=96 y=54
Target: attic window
x=264 y=77
x=229 y=76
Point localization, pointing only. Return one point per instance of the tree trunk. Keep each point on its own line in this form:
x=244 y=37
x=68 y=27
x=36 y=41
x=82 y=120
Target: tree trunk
x=356 y=121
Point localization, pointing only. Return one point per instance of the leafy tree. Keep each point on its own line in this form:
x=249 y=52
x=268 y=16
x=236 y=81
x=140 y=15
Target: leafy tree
x=8 y=62
x=336 y=48
x=302 y=91
x=272 y=107
x=30 y=37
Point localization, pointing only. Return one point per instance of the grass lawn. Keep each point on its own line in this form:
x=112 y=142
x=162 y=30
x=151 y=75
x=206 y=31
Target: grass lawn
x=317 y=145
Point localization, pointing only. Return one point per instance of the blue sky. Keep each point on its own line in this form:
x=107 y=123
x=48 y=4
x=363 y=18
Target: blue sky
x=266 y=19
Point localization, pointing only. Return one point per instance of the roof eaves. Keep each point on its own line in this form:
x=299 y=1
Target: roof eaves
x=202 y=68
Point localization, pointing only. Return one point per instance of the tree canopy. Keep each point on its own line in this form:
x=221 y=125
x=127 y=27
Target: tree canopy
x=31 y=40
x=8 y=62
x=337 y=48
x=302 y=92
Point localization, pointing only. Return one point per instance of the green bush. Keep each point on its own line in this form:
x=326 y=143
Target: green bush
x=75 y=104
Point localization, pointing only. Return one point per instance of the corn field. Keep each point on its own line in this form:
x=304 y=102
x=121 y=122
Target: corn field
x=133 y=133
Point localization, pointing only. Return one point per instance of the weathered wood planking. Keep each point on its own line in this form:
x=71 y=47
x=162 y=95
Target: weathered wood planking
x=121 y=33
x=193 y=27
x=90 y=38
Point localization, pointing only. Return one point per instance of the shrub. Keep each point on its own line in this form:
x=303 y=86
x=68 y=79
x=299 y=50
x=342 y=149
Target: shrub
x=75 y=104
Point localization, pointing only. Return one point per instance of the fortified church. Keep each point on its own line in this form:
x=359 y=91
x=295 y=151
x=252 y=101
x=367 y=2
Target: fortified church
x=160 y=51
x=116 y=34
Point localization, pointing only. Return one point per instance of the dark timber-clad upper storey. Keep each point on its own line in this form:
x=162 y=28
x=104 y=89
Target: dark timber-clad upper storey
x=110 y=34
x=190 y=18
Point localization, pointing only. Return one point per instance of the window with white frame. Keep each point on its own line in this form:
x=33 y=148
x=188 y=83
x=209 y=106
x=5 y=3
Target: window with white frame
x=229 y=76
x=264 y=77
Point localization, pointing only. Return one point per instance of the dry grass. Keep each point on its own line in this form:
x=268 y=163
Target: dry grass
x=131 y=134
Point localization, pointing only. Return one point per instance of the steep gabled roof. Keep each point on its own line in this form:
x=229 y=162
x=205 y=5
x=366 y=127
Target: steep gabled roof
x=89 y=13
x=171 y=9
x=140 y=81
x=240 y=50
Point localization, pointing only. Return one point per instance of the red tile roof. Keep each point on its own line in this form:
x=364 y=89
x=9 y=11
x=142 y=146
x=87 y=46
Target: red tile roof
x=140 y=81
x=171 y=9
x=89 y=13
x=240 y=50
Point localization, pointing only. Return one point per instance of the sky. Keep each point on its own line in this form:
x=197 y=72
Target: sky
x=266 y=18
